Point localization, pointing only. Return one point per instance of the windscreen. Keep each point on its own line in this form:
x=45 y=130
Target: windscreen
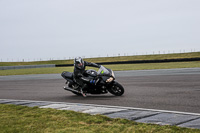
x=103 y=71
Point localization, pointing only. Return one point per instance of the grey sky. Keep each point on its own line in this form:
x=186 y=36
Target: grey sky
x=33 y=29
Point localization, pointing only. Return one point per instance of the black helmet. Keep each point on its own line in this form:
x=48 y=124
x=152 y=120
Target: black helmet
x=79 y=63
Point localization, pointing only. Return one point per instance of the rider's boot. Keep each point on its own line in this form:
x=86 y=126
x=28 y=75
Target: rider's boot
x=81 y=90
x=82 y=93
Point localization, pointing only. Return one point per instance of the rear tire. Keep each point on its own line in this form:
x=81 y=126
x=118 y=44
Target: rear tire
x=116 y=89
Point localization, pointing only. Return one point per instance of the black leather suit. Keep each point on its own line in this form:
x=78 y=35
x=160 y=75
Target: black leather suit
x=79 y=73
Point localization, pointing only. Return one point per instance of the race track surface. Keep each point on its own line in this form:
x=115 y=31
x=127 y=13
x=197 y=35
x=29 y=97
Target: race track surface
x=169 y=89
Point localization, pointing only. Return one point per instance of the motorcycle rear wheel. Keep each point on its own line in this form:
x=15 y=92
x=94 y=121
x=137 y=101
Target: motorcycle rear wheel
x=116 y=89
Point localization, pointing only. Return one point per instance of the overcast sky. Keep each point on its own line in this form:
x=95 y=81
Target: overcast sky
x=58 y=29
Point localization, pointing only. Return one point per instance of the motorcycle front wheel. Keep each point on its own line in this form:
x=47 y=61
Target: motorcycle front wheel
x=116 y=89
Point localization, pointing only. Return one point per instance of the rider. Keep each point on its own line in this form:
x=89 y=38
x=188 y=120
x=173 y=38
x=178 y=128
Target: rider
x=79 y=70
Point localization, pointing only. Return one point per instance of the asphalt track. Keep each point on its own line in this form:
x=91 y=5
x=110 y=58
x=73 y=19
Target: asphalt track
x=168 y=89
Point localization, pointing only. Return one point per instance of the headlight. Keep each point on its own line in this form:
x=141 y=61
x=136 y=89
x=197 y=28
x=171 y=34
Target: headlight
x=110 y=79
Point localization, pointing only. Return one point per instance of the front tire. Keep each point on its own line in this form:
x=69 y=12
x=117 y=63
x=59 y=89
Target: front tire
x=116 y=89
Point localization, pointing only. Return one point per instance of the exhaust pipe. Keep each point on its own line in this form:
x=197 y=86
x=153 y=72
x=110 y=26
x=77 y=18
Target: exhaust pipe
x=70 y=89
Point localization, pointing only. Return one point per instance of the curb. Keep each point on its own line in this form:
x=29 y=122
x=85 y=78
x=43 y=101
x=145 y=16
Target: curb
x=161 y=117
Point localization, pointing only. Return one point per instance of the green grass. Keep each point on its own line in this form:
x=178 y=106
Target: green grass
x=149 y=66
x=122 y=67
x=35 y=71
x=109 y=59
x=22 y=119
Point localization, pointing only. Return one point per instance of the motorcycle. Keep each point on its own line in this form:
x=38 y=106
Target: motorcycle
x=106 y=82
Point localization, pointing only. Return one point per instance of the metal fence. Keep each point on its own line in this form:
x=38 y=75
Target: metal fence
x=96 y=56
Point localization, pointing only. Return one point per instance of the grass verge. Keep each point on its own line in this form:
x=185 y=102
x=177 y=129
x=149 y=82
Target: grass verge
x=122 y=67
x=26 y=119
x=110 y=59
